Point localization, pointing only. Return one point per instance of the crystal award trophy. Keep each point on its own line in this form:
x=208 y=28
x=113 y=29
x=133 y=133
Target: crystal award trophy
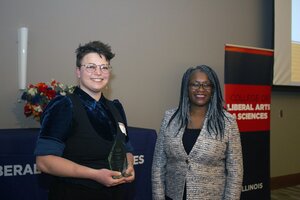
x=117 y=159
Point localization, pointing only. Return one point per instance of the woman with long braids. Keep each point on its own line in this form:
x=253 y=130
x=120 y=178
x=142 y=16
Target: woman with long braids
x=198 y=151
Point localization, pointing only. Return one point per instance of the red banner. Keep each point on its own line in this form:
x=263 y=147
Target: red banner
x=251 y=106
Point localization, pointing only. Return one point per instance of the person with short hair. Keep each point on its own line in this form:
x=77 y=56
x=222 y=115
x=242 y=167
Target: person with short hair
x=78 y=132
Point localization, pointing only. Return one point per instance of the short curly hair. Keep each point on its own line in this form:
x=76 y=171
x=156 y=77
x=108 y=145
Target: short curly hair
x=93 y=47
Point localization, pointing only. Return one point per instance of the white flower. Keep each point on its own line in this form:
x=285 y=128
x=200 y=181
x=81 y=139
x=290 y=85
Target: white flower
x=32 y=91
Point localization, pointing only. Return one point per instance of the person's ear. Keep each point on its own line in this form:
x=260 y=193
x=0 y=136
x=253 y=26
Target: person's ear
x=78 y=72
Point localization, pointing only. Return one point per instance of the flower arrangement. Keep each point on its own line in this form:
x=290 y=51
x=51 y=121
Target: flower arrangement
x=39 y=95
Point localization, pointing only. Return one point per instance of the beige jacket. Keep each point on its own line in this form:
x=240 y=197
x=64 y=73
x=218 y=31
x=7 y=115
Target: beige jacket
x=212 y=170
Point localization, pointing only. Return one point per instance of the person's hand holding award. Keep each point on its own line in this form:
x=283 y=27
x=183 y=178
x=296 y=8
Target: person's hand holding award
x=117 y=159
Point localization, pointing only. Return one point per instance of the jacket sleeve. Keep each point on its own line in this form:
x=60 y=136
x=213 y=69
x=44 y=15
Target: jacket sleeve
x=159 y=163
x=234 y=163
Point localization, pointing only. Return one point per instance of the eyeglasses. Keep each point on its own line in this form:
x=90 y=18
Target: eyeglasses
x=92 y=67
x=198 y=85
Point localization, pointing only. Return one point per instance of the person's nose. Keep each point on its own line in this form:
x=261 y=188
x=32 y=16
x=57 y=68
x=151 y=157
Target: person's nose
x=98 y=70
x=201 y=87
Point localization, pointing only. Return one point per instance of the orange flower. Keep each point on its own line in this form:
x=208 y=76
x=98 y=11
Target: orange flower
x=42 y=87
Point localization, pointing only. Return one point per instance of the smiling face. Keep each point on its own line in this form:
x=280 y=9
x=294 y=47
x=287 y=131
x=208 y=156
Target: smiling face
x=93 y=82
x=200 y=89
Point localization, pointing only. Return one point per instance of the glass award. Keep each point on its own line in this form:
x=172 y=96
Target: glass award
x=117 y=159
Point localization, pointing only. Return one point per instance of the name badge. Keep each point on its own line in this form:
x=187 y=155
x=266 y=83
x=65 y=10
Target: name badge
x=122 y=128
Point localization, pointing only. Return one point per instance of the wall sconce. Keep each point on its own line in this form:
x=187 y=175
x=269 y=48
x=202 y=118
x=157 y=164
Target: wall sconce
x=22 y=56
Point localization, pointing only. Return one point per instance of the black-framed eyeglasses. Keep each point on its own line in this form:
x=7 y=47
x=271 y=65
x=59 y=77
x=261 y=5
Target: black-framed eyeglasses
x=198 y=85
x=92 y=67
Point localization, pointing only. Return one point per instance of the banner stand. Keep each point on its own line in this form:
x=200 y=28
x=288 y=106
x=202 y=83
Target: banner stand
x=248 y=80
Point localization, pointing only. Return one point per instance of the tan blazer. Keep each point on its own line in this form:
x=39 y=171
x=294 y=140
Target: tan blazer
x=212 y=170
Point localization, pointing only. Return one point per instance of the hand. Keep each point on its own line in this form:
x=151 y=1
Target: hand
x=105 y=177
x=129 y=174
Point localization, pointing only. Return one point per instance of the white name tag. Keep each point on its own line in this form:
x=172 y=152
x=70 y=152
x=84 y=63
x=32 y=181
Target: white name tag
x=122 y=128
